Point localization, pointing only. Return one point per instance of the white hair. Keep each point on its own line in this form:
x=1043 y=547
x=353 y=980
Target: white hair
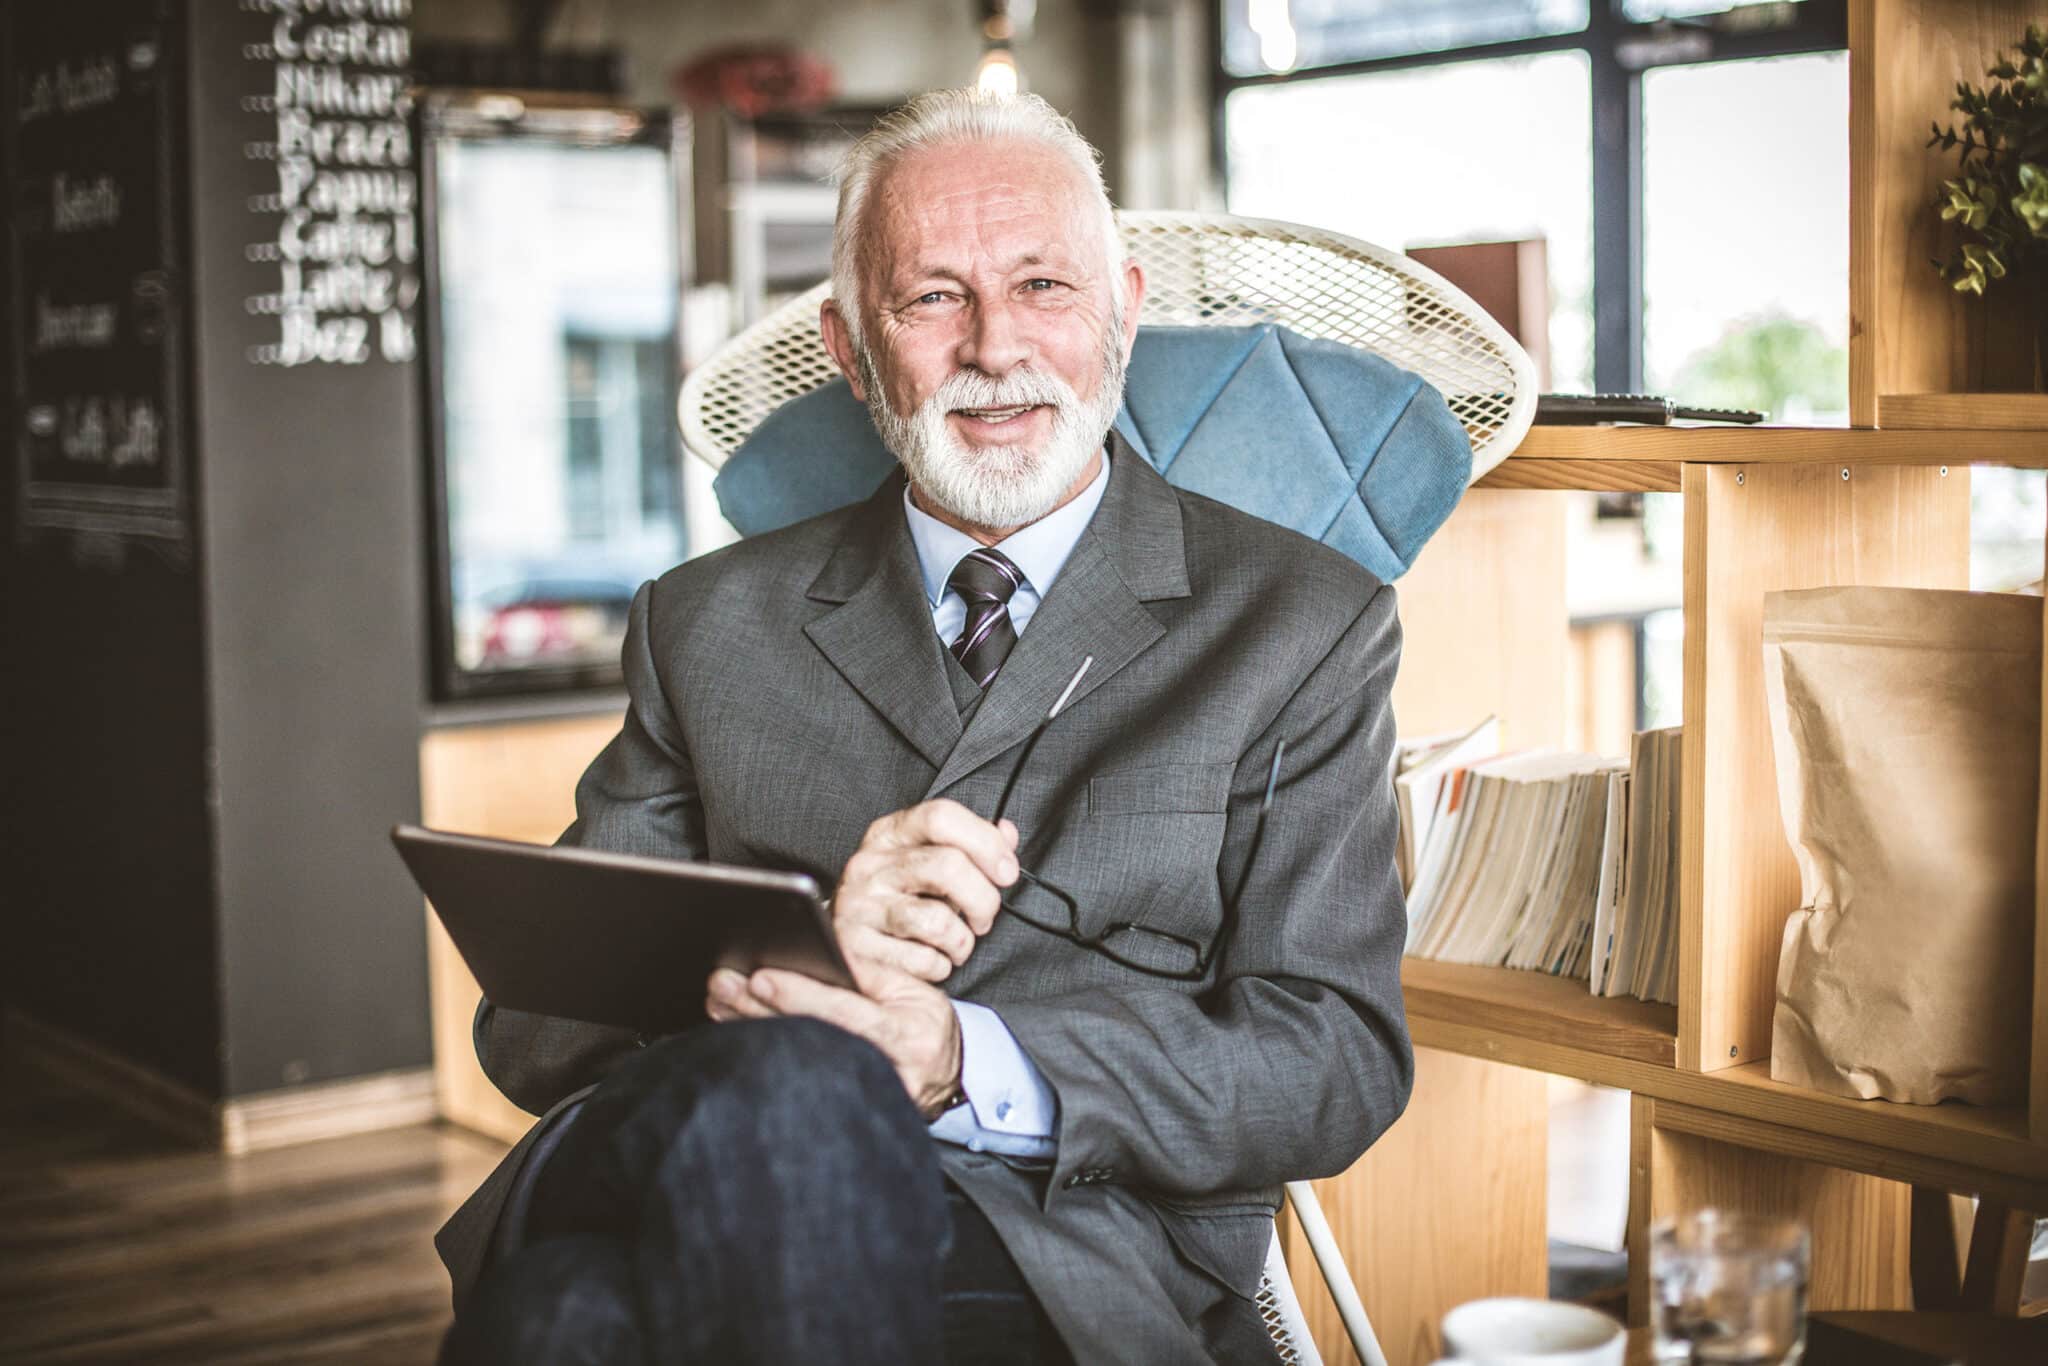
x=941 y=118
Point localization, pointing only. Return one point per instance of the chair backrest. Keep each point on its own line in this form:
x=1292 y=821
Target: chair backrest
x=1280 y=1311
x=1202 y=270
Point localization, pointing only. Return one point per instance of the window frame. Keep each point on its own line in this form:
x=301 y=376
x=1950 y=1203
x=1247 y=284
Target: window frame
x=1618 y=52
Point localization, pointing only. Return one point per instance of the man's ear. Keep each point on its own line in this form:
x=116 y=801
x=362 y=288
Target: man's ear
x=1133 y=284
x=839 y=344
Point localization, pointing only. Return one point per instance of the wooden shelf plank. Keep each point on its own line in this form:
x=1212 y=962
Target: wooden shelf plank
x=1596 y=476
x=1542 y=1009
x=1949 y=412
x=1783 y=445
x=1971 y=1147
x=1954 y=1147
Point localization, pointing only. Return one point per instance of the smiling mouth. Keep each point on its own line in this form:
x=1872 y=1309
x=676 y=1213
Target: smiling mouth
x=997 y=415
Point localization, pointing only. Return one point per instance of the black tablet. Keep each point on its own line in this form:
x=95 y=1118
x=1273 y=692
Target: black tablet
x=613 y=938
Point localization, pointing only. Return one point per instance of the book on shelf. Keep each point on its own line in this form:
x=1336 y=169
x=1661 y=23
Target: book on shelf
x=1420 y=767
x=1544 y=860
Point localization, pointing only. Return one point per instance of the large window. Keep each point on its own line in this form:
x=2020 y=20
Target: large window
x=1746 y=235
x=1350 y=153
x=553 y=284
x=1687 y=169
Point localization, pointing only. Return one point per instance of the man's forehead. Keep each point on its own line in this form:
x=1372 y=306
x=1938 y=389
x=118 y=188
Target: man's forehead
x=1019 y=201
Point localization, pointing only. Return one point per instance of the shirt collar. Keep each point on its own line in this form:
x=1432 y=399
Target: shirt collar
x=1040 y=550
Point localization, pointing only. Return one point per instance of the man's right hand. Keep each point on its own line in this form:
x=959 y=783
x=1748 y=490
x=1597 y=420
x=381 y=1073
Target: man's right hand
x=923 y=887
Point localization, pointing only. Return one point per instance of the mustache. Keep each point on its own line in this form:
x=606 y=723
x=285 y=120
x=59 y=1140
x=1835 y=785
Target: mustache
x=1020 y=388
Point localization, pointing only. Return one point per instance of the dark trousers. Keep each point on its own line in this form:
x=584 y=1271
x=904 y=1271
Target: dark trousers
x=759 y=1191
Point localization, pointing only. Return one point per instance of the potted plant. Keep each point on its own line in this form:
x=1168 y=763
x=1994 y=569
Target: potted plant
x=1999 y=200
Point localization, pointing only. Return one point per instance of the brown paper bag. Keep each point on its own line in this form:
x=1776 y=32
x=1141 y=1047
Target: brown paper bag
x=1906 y=725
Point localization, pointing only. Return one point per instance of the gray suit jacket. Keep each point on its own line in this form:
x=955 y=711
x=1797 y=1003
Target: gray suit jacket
x=790 y=689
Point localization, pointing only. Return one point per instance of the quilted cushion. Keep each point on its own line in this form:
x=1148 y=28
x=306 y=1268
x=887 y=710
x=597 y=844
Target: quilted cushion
x=1331 y=441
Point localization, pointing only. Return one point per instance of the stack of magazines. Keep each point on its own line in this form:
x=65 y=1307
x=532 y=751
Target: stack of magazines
x=1635 y=913
x=1552 y=861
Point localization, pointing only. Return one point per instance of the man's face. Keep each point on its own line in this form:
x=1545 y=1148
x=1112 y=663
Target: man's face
x=995 y=328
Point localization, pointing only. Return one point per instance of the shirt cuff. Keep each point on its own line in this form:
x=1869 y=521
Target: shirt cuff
x=1010 y=1107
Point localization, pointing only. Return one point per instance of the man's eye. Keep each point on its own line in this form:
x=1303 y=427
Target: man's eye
x=1041 y=285
x=935 y=297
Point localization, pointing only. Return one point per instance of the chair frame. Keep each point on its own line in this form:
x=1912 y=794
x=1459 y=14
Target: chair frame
x=1316 y=283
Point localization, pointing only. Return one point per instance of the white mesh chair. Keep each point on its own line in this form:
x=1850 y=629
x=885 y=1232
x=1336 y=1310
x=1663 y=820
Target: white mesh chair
x=1212 y=270
x=1201 y=270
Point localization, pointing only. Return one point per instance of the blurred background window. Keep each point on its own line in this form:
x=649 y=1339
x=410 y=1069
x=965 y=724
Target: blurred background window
x=1746 y=235
x=1355 y=154
x=553 y=283
x=1276 y=35
x=1681 y=171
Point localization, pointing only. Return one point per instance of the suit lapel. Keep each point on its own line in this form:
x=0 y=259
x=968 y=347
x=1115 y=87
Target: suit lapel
x=880 y=638
x=1130 y=554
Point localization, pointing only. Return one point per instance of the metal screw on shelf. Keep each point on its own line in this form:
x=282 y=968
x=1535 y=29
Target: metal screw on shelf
x=1733 y=1047
x=1944 y=471
x=1845 y=474
x=1738 y=476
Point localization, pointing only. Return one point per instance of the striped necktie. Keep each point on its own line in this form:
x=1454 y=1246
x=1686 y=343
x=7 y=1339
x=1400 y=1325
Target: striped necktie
x=985 y=579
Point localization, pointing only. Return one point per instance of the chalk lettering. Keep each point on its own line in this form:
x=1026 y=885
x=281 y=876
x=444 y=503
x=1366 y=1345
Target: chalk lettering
x=359 y=43
x=305 y=238
x=307 y=337
x=343 y=141
x=73 y=326
x=325 y=89
x=80 y=205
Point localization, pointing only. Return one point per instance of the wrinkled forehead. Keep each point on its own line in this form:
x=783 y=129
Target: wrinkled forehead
x=964 y=207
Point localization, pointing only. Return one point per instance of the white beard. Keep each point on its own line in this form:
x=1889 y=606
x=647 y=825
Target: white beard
x=1003 y=485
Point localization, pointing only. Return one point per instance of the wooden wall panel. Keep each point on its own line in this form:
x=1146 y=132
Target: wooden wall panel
x=514 y=781
x=1750 y=530
x=2037 y=1072
x=1861 y=1225
x=1483 y=621
x=1909 y=332
x=1448 y=1206
x=1601 y=699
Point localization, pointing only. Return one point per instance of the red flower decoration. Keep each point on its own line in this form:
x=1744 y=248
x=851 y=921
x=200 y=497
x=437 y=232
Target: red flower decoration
x=756 y=79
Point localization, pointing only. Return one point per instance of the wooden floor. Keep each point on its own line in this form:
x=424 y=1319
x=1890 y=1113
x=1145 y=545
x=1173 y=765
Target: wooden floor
x=116 y=1246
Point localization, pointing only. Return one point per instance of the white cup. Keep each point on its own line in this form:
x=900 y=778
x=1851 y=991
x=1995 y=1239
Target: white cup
x=1516 y=1332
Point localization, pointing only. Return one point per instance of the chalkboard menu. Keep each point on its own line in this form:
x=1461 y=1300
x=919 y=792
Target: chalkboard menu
x=341 y=224
x=97 y=306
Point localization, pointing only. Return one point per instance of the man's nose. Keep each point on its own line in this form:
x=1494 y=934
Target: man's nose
x=995 y=344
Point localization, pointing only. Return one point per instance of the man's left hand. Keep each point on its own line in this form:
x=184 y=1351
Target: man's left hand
x=911 y=1021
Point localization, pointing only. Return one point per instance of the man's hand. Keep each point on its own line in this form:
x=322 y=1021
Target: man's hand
x=923 y=886
x=912 y=1022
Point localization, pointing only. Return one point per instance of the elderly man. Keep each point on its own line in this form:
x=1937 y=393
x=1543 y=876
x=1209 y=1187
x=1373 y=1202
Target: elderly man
x=1096 y=770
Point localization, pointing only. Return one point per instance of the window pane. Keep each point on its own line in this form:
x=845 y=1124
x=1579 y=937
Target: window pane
x=1646 y=11
x=1280 y=35
x=1349 y=153
x=2008 y=511
x=1746 y=235
x=557 y=282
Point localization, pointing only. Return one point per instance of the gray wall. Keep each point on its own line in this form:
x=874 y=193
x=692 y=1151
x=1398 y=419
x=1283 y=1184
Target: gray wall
x=311 y=526
x=106 y=868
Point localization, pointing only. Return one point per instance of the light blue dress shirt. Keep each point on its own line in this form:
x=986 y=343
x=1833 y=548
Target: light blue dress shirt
x=1010 y=1107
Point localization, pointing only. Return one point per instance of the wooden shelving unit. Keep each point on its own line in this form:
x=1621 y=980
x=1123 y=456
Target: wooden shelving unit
x=1649 y=459
x=2026 y=413
x=1554 y=1015
x=1770 y=508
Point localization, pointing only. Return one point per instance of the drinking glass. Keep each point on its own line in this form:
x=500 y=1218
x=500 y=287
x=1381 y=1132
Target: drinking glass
x=1728 y=1289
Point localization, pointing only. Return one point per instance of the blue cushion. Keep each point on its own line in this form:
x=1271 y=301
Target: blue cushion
x=1318 y=436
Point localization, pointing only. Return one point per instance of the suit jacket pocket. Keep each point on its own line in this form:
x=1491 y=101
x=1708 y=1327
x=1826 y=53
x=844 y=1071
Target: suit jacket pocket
x=1227 y=1244
x=1162 y=787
